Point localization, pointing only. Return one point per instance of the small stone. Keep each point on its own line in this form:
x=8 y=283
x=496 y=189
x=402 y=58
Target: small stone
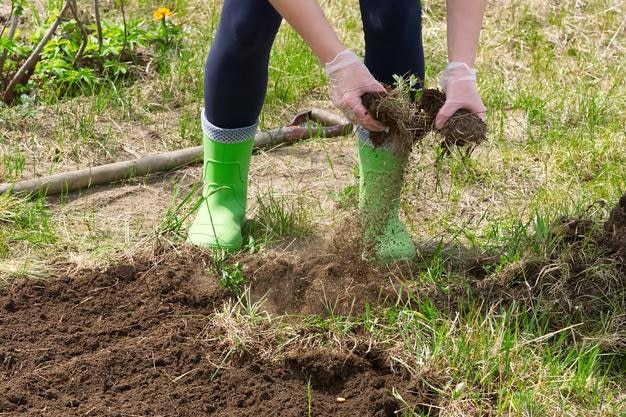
x=341 y=400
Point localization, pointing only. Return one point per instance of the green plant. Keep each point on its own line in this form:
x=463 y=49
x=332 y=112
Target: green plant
x=277 y=216
x=230 y=275
x=25 y=221
x=178 y=211
x=347 y=198
x=165 y=33
x=309 y=397
x=13 y=165
x=81 y=55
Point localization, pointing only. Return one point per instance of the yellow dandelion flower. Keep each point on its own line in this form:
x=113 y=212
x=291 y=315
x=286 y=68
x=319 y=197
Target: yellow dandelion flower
x=161 y=13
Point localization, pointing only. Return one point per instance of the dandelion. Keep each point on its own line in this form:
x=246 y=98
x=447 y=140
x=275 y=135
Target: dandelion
x=161 y=13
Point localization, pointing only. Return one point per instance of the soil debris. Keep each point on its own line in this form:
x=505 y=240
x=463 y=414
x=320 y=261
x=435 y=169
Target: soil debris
x=407 y=124
x=133 y=340
x=320 y=283
x=409 y=121
x=582 y=280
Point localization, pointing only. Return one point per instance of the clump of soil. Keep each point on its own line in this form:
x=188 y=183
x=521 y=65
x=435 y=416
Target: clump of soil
x=407 y=124
x=615 y=231
x=409 y=121
x=133 y=340
x=581 y=281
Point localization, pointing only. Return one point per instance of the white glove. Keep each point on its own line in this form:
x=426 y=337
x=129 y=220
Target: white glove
x=458 y=81
x=349 y=80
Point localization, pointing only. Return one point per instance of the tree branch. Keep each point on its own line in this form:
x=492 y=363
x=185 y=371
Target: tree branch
x=8 y=18
x=98 y=23
x=5 y=53
x=83 y=32
x=125 y=30
x=23 y=74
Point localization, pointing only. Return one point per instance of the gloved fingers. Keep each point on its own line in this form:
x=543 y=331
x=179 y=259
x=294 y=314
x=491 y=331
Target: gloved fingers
x=351 y=105
x=349 y=80
x=451 y=107
x=445 y=113
x=480 y=111
x=361 y=116
x=461 y=93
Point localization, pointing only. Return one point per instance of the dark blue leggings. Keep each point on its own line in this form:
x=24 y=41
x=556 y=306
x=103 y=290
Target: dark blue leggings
x=236 y=73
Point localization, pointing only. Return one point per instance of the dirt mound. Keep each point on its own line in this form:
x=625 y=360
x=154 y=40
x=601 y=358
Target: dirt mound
x=134 y=340
x=580 y=282
x=409 y=121
x=316 y=283
x=615 y=231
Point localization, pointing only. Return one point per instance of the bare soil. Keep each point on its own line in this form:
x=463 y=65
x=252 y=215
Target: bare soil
x=125 y=341
x=135 y=338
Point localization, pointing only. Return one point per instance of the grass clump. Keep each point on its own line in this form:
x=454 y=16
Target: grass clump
x=24 y=223
x=278 y=216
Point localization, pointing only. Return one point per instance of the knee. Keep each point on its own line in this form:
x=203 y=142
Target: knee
x=248 y=34
x=392 y=17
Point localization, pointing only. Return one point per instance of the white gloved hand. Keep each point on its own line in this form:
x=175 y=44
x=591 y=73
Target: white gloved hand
x=458 y=81
x=349 y=80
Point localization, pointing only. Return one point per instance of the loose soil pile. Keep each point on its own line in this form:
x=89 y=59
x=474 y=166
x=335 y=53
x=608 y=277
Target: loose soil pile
x=135 y=339
x=409 y=121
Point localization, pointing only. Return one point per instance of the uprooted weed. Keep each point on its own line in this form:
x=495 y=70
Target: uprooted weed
x=408 y=120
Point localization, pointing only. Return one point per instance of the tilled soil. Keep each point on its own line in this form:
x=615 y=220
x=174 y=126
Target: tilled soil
x=136 y=339
x=133 y=341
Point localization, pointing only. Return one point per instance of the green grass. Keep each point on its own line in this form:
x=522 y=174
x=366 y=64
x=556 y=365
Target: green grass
x=24 y=224
x=277 y=216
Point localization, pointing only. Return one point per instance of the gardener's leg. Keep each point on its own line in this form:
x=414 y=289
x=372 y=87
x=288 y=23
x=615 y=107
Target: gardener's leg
x=393 y=38
x=235 y=82
x=393 y=46
x=235 y=76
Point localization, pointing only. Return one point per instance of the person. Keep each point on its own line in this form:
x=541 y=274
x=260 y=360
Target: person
x=235 y=82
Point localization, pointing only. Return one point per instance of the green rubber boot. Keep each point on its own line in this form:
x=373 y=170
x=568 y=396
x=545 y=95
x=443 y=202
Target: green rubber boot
x=223 y=209
x=380 y=183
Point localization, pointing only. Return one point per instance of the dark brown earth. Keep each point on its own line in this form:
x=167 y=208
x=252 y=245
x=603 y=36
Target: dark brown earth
x=409 y=121
x=133 y=340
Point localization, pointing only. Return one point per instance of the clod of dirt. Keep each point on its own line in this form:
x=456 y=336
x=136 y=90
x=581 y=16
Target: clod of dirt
x=615 y=231
x=406 y=123
x=409 y=121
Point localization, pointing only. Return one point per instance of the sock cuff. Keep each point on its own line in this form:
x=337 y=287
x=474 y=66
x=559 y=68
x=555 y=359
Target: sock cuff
x=223 y=135
x=363 y=136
